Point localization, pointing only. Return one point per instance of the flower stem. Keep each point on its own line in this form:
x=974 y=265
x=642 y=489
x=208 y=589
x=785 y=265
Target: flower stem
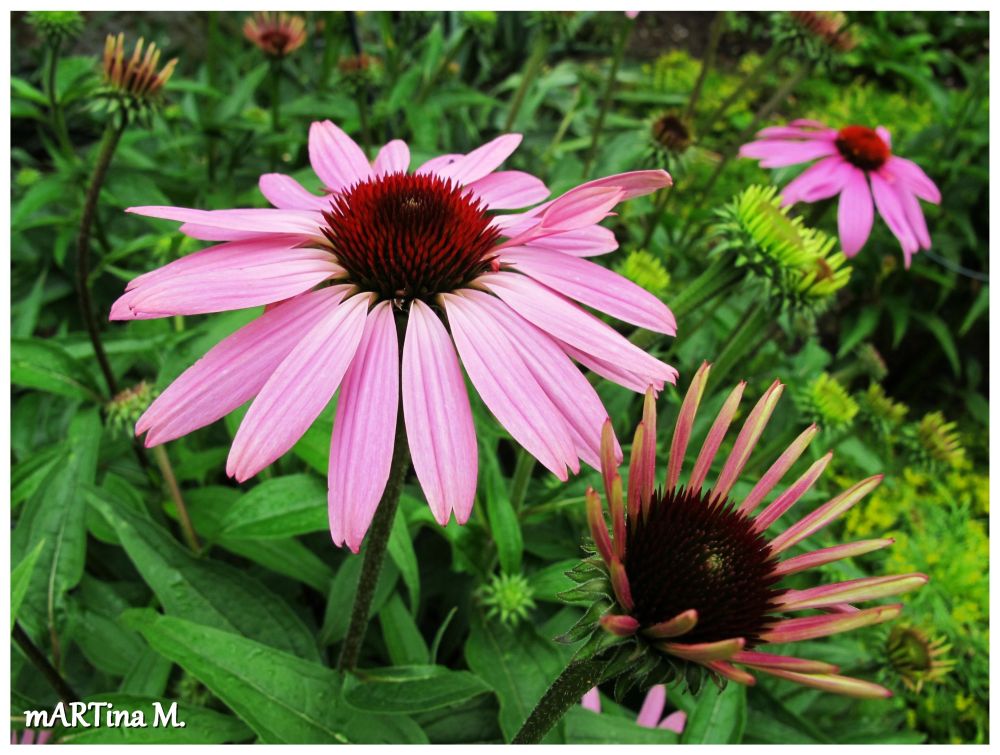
x=571 y=685
x=752 y=332
x=167 y=470
x=522 y=476
x=378 y=540
x=714 y=33
x=112 y=134
x=58 y=121
x=39 y=661
x=275 y=82
x=528 y=75
x=609 y=92
x=659 y=207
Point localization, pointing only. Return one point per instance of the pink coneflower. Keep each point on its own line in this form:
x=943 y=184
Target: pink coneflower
x=857 y=163
x=651 y=711
x=695 y=576
x=31 y=737
x=276 y=34
x=424 y=251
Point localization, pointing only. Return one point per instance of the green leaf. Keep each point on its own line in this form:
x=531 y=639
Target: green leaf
x=148 y=675
x=401 y=634
x=504 y=524
x=402 y=554
x=282 y=697
x=586 y=727
x=47 y=367
x=202 y=590
x=518 y=664
x=345 y=585
x=719 y=717
x=410 y=689
x=20 y=578
x=201 y=725
x=56 y=514
x=942 y=333
x=862 y=327
x=286 y=556
x=29 y=475
x=278 y=508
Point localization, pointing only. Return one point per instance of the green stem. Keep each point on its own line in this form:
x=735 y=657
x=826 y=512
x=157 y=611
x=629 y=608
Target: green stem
x=531 y=69
x=275 y=83
x=766 y=63
x=39 y=661
x=378 y=541
x=750 y=335
x=522 y=476
x=167 y=470
x=573 y=683
x=714 y=33
x=659 y=207
x=112 y=135
x=609 y=93
x=58 y=120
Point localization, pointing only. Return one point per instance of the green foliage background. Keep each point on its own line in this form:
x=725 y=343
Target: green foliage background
x=245 y=633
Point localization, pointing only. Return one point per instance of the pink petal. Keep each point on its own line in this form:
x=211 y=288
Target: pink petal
x=716 y=434
x=236 y=368
x=612 y=372
x=394 y=157
x=746 y=441
x=197 y=293
x=592 y=700
x=633 y=184
x=438 y=419
x=883 y=134
x=435 y=164
x=685 y=423
x=914 y=215
x=582 y=242
x=285 y=193
x=777 y=153
x=819 y=181
x=509 y=189
x=910 y=173
x=481 y=161
x=563 y=383
x=298 y=390
x=652 y=707
x=244 y=221
x=364 y=430
x=567 y=322
x=891 y=210
x=791 y=496
x=507 y=386
x=702 y=652
x=211 y=233
x=840 y=685
x=336 y=158
x=855 y=213
x=222 y=257
x=678 y=626
x=675 y=722
x=594 y=286
x=777 y=470
x=824 y=625
x=755 y=659
x=821 y=517
x=573 y=210
x=796 y=132
x=828 y=555
x=851 y=591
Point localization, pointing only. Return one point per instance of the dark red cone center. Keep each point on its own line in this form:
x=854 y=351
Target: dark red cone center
x=863 y=147
x=409 y=236
x=693 y=551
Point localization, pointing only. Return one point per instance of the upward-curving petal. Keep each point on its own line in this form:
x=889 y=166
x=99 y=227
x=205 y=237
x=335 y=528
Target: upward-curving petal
x=298 y=389
x=336 y=158
x=509 y=189
x=240 y=221
x=364 y=430
x=481 y=161
x=394 y=157
x=438 y=418
x=285 y=193
x=777 y=153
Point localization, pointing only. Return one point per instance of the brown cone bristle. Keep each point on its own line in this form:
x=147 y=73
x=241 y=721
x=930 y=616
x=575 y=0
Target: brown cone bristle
x=408 y=236
x=695 y=551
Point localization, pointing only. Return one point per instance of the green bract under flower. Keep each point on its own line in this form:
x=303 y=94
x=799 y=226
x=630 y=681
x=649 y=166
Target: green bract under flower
x=798 y=263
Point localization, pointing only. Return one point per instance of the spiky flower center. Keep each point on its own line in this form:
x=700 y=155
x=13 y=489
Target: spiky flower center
x=863 y=147
x=695 y=551
x=410 y=236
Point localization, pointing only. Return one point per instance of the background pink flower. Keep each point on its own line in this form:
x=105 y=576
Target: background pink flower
x=337 y=273
x=857 y=164
x=649 y=713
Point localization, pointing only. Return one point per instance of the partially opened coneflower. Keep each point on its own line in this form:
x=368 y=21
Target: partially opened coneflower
x=695 y=578
x=425 y=253
x=856 y=163
x=276 y=34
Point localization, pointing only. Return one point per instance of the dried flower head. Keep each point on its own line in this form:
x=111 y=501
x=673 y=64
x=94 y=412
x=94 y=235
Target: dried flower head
x=689 y=581
x=276 y=34
x=671 y=133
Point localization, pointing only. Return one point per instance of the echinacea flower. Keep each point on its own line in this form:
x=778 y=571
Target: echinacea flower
x=427 y=253
x=694 y=575
x=856 y=163
x=137 y=77
x=917 y=658
x=276 y=34
x=31 y=737
x=651 y=711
